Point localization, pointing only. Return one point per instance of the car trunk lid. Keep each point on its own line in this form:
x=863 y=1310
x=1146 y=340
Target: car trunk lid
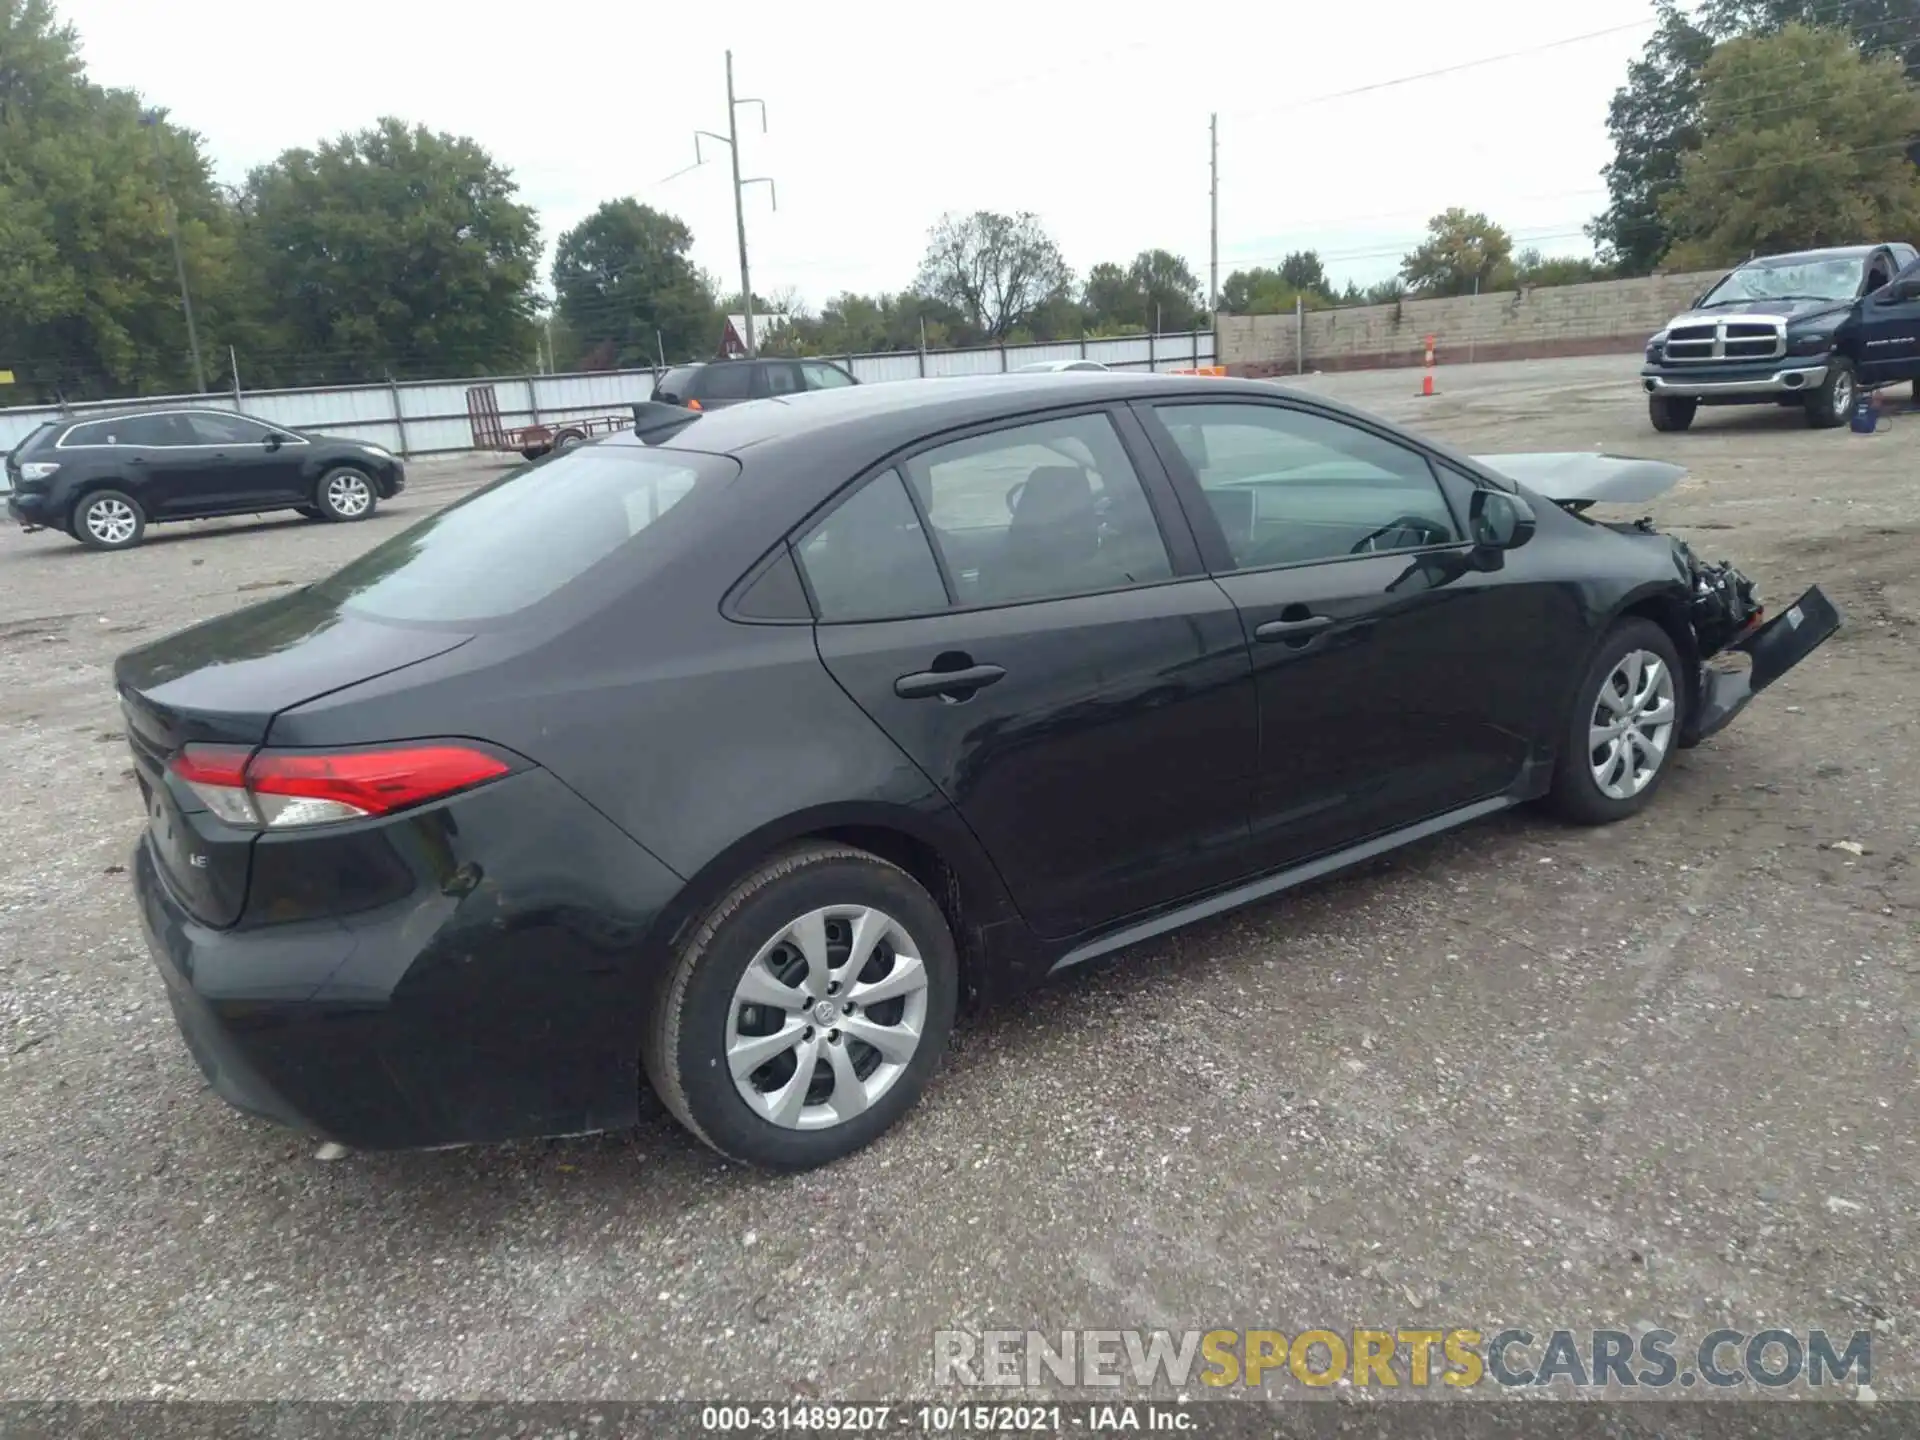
x=222 y=683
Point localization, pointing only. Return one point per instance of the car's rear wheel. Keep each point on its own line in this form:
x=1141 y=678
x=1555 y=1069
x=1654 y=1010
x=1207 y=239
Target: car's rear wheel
x=1671 y=412
x=1832 y=403
x=108 y=520
x=346 y=492
x=807 y=1011
x=567 y=439
x=1624 y=729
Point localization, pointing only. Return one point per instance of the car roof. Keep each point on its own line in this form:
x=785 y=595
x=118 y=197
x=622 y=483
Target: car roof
x=898 y=411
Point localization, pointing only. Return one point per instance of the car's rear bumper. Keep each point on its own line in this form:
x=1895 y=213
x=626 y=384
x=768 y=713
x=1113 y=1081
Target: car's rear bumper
x=30 y=510
x=1734 y=384
x=490 y=988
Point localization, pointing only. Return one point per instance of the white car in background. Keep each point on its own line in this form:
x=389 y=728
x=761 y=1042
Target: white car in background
x=1048 y=365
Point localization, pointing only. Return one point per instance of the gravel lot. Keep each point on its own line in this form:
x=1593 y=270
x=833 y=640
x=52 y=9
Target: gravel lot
x=1661 y=1073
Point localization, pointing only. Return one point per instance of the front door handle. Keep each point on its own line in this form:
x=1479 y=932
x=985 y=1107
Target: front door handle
x=949 y=684
x=1292 y=629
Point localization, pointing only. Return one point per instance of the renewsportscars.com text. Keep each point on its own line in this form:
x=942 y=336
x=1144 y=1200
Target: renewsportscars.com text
x=1460 y=1357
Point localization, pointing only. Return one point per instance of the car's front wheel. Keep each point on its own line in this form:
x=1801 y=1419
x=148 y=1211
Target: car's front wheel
x=805 y=1014
x=1671 y=412
x=1832 y=403
x=1624 y=729
x=109 y=520
x=345 y=493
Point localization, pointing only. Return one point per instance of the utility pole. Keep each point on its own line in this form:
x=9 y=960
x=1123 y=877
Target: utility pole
x=1213 y=244
x=732 y=141
x=151 y=119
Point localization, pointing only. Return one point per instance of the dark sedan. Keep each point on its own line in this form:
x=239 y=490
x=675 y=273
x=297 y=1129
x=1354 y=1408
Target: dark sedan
x=731 y=753
x=104 y=479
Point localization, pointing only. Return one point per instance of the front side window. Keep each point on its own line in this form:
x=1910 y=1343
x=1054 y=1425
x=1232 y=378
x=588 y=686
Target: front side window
x=822 y=376
x=869 y=559
x=217 y=428
x=1289 y=487
x=1039 y=510
x=96 y=432
x=783 y=379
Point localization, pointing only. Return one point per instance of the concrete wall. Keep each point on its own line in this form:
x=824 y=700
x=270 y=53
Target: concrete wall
x=1607 y=315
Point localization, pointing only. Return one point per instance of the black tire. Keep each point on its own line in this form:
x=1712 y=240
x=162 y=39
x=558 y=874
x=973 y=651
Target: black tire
x=1577 y=794
x=345 y=493
x=684 y=1048
x=108 y=520
x=1832 y=404
x=1671 y=412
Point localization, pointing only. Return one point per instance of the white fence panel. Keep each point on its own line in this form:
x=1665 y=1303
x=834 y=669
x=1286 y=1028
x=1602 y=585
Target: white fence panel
x=423 y=417
x=877 y=369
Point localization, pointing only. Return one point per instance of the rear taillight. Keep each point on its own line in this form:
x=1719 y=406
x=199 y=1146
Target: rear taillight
x=284 y=789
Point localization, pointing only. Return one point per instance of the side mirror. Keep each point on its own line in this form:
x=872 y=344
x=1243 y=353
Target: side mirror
x=1499 y=521
x=1901 y=292
x=273 y=440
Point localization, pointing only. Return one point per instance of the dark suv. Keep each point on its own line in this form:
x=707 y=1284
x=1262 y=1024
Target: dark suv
x=1809 y=329
x=728 y=382
x=104 y=478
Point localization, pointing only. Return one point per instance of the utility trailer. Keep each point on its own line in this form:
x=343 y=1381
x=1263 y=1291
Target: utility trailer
x=532 y=441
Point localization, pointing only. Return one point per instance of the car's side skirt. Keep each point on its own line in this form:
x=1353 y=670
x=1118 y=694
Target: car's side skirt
x=1273 y=884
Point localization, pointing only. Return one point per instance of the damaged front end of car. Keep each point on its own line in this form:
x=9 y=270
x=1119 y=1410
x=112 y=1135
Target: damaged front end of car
x=1724 y=612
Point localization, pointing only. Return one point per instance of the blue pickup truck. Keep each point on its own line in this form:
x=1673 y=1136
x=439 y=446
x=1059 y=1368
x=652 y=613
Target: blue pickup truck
x=1810 y=329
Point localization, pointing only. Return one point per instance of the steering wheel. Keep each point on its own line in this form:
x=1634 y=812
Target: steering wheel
x=1420 y=525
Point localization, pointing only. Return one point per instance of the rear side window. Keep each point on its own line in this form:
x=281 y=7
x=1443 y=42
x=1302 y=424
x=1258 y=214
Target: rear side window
x=783 y=379
x=528 y=536
x=161 y=431
x=869 y=559
x=726 y=382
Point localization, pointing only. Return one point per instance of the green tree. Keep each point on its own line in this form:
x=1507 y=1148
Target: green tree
x=1157 y=288
x=1654 y=118
x=1304 y=272
x=1800 y=146
x=1530 y=267
x=393 y=251
x=1260 y=290
x=996 y=270
x=1462 y=252
x=89 y=293
x=625 y=275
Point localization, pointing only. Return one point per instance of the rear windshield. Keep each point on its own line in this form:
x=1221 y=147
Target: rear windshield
x=39 y=435
x=528 y=536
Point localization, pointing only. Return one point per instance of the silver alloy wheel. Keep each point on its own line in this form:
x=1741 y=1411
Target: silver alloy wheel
x=826 y=1017
x=111 y=521
x=349 y=493
x=1842 y=395
x=1631 y=724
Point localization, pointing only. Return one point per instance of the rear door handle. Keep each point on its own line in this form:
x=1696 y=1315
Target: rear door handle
x=952 y=684
x=1292 y=629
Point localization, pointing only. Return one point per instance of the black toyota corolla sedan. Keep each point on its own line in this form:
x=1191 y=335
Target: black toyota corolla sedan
x=732 y=753
x=105 y=478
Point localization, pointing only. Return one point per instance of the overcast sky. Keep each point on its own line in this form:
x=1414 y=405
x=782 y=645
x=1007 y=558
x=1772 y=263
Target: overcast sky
x=881 y=116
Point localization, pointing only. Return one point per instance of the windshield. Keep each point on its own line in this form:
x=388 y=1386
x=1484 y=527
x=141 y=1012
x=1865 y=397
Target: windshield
x=528 y=535
x=1790 y=279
